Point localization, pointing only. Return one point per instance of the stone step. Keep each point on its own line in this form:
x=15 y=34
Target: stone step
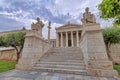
x=65 y=48
x=71 y=57
x=64 y=52
x=60 y=66
x=67 y=60
x=73 y=60
x=62 y=63
x=64 y=57
x=61 y=60
x=77 y=59
x=69 y=71
x=57 y=54
x=67 y=54
x=68 y=51
x=79 y=55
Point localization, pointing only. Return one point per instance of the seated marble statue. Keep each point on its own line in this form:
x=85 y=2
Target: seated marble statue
x=37 y=26
x=88 y=18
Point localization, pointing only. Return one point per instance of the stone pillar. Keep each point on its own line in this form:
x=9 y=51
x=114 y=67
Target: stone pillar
x=66 y=39
x=34 y=48
x=94 y=52
x=61 y=39
x=57 y=40
x=77 y=38
x=72 y=38
x=49 y=27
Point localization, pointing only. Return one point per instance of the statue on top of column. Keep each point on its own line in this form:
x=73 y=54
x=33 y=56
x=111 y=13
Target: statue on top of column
x=37 y=26
x=88 y=18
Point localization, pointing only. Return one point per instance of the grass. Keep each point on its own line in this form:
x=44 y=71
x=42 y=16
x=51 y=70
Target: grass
x=117 y=67
x=7 y=65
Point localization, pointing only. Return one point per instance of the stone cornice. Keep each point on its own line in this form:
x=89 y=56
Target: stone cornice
x=31 y=33
x=68 y=26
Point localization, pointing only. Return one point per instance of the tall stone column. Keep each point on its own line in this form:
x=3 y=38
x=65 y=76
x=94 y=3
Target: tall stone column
x=57 y=39
x=49 y=27
x=61 y=39
x=66 y=39
x=77 y=38
x=72 y=38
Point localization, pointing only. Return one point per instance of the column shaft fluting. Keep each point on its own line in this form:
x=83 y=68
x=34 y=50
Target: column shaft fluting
x=72 y=39
x=57 y=40
x=77 y=38
x=66 y=39
x=61 y=39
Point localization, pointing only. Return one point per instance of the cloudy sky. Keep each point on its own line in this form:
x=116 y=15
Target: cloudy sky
x=14 y=14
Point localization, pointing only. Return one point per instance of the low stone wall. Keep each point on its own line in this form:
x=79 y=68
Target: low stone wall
x=34 y=49
x=115 y=53
x=8 y=53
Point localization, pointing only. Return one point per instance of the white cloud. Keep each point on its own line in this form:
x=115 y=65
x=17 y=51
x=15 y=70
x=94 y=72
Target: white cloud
x=32 y=8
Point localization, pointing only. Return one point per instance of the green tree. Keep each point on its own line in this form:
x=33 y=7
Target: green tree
x=110 y=9
x=111 y=36
x=2 y=41
x=15 y=40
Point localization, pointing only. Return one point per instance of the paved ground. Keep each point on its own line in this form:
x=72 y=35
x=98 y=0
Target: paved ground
x=34 y=75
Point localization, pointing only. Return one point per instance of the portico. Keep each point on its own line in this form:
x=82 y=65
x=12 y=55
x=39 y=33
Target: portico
x=66 y=37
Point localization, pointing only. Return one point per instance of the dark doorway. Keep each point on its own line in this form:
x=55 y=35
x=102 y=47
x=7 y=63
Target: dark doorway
x=69 y=43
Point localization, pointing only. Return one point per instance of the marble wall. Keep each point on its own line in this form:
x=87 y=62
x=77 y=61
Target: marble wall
x=115 y=53
x=94 y=51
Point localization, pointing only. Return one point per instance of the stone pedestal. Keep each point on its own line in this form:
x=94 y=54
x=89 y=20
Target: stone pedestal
x=34 y=48
x=94 y=51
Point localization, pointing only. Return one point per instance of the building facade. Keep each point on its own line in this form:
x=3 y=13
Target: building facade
x=68 y=35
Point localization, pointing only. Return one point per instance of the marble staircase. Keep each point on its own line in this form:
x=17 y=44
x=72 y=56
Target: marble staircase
x=66 y=60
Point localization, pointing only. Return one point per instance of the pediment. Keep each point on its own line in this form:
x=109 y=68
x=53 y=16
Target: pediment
x=69 y=26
